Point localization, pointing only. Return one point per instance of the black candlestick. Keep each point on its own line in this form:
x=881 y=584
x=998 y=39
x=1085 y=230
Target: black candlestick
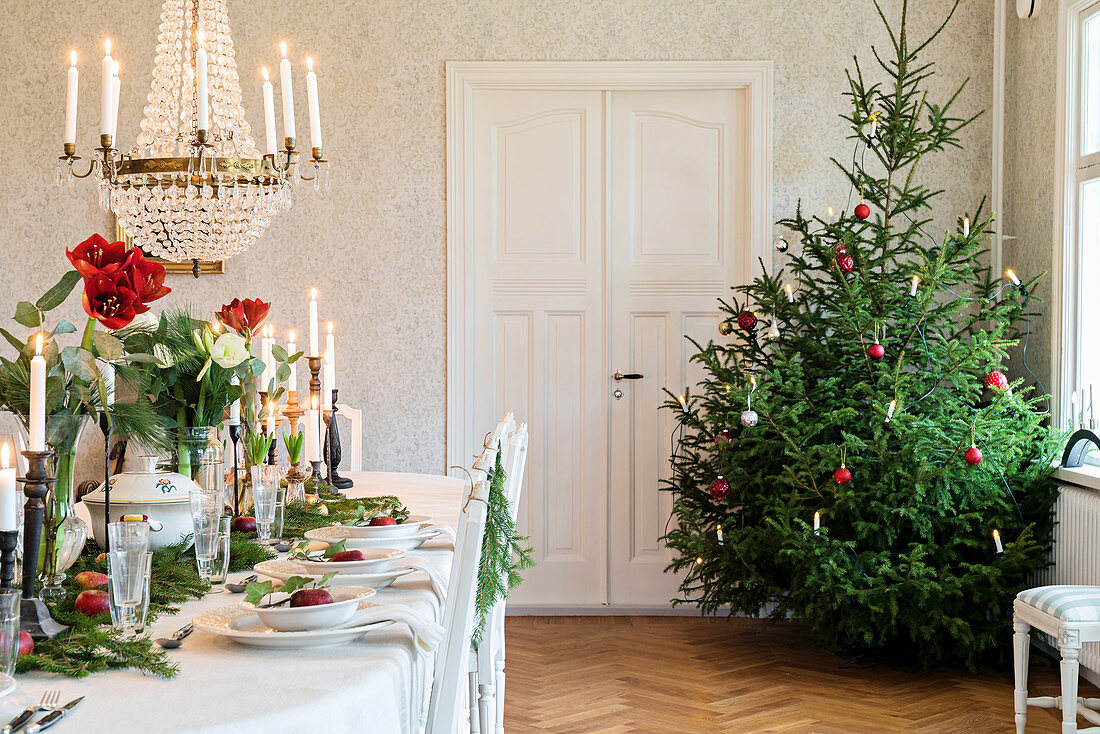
x=333 y=453
x=235 y=437
x=34 y=616
x=9 y=541
x=105 y=427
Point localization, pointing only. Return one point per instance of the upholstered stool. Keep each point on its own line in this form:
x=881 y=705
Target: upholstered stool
x=1070 y=614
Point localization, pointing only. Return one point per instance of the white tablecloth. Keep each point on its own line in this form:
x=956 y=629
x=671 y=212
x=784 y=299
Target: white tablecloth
x=373 y=685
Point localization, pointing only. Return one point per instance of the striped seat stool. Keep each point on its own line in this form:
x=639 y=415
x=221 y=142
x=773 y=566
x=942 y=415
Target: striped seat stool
x=1070 y=614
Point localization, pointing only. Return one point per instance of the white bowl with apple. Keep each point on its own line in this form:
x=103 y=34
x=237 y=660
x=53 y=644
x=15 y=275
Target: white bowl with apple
x=308 y=608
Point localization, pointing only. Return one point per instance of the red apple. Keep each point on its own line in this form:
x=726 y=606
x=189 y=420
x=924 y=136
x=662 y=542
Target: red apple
x=93 y=603
x=348 y=555
x=310 y=597
x=376 y=521
x=90 y=579
x=243 y=524
x=26 y=643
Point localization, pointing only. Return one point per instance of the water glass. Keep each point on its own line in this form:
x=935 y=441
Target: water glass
x=264 y=494
x=206 y=513
x=128 y=537
x=128 y=590
x=219 y=564
x=9 y=638
x=280 y=514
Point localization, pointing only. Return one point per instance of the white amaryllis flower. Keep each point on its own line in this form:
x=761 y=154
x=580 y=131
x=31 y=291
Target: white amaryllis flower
x=229 y=350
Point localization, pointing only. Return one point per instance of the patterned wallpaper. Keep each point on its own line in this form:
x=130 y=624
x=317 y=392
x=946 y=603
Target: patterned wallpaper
x=376 y=246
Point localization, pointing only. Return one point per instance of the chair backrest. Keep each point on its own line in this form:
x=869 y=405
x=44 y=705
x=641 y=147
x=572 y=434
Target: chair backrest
x=515 y=463
x=446 y=708
x=355 y=441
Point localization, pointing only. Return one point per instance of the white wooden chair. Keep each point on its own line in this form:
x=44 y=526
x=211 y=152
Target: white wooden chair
x=1070 y=614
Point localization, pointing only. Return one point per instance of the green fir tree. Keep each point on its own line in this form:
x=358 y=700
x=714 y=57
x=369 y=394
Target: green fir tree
x=905 y=559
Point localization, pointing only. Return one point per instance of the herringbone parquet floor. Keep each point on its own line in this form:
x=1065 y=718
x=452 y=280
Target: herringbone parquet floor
x=675 y=675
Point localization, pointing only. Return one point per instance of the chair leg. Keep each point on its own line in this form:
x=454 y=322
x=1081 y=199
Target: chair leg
x=1070 y=646
x=487 y=706
x=475 y=724
x=500 y=696
x=1021 y=649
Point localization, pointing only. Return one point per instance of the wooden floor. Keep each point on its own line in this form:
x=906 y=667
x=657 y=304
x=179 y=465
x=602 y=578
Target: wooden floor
x=674 y=675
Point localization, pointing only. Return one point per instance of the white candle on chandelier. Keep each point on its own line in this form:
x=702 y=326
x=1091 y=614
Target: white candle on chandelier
x=8 y=492
x=314 y=107
x=37 y=419
x=291 y=348
x=116 y=91
x=201 y=77
x=288 y=94
x=997 y=541
x=73 y=79
x=269 y=114
x=313 y=348
x=107 y=89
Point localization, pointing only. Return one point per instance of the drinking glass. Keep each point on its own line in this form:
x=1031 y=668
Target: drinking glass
x=206 y=512
x=264 y=494
x=219 y=564
x=280 y=514
x=128 y=537
x=128 y=586
x=9 y=638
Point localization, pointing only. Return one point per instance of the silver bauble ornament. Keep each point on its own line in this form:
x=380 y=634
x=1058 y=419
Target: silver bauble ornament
x=781 y=245
x=749 y=418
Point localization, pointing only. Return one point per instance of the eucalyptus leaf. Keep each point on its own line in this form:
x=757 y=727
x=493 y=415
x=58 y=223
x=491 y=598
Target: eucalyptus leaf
x=142 y=358
x=278 y=353
x=283 y=373
x=55 y=296
x=107 y=345
x=255 y=367
x=27 y=315
x=12 y=339
x=80 y=363
x=64 y=327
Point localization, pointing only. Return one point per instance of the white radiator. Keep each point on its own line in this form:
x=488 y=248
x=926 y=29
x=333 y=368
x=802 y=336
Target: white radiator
x=1076 y=554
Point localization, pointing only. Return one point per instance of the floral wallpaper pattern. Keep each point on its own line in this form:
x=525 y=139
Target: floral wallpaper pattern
x=376 y=246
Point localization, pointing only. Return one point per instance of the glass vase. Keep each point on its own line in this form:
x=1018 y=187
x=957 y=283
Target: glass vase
x=200 y=456
x=63 y=533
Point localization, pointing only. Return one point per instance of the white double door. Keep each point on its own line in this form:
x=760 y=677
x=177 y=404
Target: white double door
x=605 y=225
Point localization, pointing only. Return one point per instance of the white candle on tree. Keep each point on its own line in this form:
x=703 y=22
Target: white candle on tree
x=288 y=95
x=37 y=418
x=73 y=82
x=201 y=75
x=314 y=107
x=269 y=114
x=9 y=493
x=291 y=348
x=107 y=89
x=313 y=341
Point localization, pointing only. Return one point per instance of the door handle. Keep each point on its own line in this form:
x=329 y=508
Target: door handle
x=629 y=376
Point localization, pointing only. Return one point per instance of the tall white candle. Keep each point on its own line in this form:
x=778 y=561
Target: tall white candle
x=269 y=114
x=312 y=450
x=107 y=372
x=313 y=346
x=314 y=107
x=291 y=348
x=70 y=100
x=116 y=90
x=270 y=418
x=201 y=75
x=8 y=492
x=235 y=407
x=37 y=420
x=288 y=95
x=107 y=89
x=326 y=385
x=330 y=348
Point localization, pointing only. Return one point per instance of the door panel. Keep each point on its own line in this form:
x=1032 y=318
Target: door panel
x=540 y=292
x=676 y=170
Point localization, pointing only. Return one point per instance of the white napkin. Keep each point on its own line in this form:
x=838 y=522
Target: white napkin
x=439 y=584
x=427 y=632
x=445 y=530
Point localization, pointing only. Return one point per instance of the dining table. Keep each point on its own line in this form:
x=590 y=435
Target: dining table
x=377 y=684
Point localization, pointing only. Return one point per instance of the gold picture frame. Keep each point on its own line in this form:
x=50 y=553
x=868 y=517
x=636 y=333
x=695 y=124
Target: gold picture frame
x=206 y=267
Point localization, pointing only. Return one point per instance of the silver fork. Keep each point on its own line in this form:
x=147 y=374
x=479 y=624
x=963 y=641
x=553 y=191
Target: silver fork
x=48 y=702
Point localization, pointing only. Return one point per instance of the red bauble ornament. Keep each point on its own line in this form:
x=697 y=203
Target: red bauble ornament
x=862 y=211
x=746 y=320
x=996 y=380
x=719 y=489
x=722 y=439
x=876 y=350
x=845 y=262
x=842 y=475
x=973 y=456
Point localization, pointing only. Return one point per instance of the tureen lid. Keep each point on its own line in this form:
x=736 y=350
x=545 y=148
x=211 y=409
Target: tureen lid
x=146 y=485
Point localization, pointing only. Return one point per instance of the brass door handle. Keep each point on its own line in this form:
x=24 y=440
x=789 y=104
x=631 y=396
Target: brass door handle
x=629 y=376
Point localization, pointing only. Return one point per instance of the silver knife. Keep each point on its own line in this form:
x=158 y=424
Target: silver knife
x=53 y=717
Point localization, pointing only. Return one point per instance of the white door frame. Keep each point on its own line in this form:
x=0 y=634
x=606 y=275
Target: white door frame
x=465 y=77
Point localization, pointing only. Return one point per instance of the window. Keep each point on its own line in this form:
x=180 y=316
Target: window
x=1081 y=207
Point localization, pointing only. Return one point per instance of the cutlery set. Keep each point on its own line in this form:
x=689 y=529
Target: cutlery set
x=48 y=703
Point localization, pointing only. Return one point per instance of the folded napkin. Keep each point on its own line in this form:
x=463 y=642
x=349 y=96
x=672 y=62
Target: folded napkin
x=445 y=530
x=427 y=632
x=439 y=584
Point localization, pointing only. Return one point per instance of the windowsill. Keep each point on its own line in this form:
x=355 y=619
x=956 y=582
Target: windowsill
x=1082 y=476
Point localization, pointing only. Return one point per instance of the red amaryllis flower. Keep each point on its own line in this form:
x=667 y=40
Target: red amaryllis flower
x=147 y=279
x=110 y=301
x=244 y=317
x=96 y=255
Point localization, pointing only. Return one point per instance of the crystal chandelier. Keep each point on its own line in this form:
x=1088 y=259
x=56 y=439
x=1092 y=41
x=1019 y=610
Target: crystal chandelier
x=194 y=186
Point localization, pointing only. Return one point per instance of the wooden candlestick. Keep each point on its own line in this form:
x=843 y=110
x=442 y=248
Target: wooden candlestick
x=314 y=381
x=34 y=616
x=9 y=540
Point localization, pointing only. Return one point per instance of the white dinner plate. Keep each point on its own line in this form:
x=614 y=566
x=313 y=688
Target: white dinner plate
x=336 y=533
x=282 y=570
x=245 y=627
x=376 y=559
x=411 y=526
x=333 y=615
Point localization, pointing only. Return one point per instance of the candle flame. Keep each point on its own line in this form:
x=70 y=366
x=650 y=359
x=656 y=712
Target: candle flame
x=330 y=327
x=787 y=286
x=263 y=70
x=996 y=533
x=72 y=58
x=283 y=47
x=1012 y=276
x=38 y=345
x=116 y=68
x=817 y=519
x=200 y=37
x=752 y=379
x=107 y=47
x=291 y=339
x=698 y=560
x=313 y=294
x=313 y=401
x=830 y=213
x=5 y=456
x=309 y=63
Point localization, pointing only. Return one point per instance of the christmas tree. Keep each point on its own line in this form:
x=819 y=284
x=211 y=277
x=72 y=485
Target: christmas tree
x=855 y=456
